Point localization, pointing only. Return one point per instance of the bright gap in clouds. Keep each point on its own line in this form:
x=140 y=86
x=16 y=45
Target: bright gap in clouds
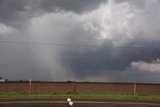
x=6 y=29
x=110 y=21
x=154 y=66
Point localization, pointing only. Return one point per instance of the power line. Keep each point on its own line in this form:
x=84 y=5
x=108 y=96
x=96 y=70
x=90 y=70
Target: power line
x=66 y=45
x=50 y=44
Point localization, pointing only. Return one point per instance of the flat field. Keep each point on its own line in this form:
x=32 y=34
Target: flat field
x=79 y=90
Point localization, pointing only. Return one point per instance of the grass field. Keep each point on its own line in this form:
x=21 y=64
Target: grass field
x=80 y=95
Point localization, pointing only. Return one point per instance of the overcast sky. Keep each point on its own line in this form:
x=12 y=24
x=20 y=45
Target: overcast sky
x=80 y=40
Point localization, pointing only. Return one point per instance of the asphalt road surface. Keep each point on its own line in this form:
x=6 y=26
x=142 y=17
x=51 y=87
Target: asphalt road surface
x=52 y=102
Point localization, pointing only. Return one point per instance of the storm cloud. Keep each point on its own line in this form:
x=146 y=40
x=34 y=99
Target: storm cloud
x=82 y=40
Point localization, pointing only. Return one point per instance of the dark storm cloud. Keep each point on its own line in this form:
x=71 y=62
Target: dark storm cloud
x=78 y=6
x=13 y=12
x=109 y=60
x=17 y=13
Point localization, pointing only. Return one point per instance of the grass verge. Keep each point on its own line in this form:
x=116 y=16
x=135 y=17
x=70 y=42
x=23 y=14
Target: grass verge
x=79 y=95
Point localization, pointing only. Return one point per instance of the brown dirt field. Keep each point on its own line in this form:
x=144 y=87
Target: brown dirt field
x=78 y=87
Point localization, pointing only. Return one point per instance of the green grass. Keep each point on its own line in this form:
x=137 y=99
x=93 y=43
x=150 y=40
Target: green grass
x=79 y=95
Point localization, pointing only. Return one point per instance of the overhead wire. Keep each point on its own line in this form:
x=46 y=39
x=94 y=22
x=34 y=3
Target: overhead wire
x=64 y=44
